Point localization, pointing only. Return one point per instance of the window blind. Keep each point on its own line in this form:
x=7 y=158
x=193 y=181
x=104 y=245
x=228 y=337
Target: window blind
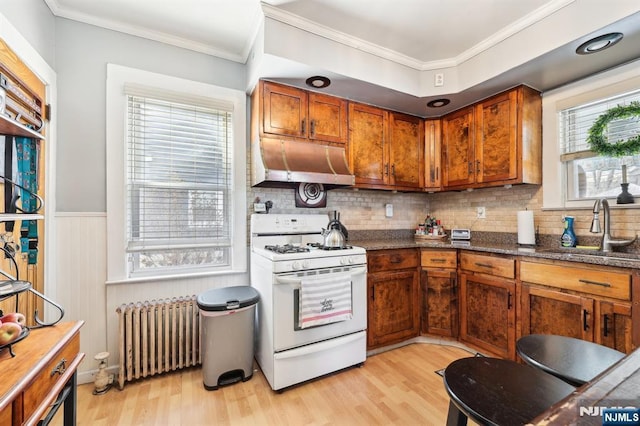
x=179 y=157
x=576 y=122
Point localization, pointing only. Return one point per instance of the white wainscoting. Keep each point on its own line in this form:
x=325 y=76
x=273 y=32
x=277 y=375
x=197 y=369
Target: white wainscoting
x=81 y=273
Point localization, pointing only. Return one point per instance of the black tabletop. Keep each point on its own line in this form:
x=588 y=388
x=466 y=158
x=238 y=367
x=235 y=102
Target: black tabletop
x=502 y=392
x=573 y=360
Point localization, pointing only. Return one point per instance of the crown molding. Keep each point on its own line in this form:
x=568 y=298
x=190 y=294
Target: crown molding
x=521 y=24
x=145 y=33
x=309 y=26
x=391 y=55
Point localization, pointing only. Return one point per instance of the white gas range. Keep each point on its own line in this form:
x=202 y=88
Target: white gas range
x=312 y=315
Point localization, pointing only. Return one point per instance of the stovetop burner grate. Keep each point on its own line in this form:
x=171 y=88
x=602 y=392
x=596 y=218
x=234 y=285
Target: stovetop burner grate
x=323 y=247
x=287 y=248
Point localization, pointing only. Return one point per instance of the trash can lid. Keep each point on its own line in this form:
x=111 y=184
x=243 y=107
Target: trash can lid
x=227 y=298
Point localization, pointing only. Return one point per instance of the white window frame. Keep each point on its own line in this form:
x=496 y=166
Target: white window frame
x=619 y=80
x=119 y=76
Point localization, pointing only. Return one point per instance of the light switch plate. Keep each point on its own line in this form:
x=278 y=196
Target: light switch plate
x=388 y=210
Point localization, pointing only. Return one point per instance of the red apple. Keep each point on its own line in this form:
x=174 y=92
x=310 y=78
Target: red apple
x=9 y=331
x=13 y=317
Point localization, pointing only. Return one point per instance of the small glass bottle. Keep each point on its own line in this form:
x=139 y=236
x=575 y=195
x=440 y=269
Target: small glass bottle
x=568 y=238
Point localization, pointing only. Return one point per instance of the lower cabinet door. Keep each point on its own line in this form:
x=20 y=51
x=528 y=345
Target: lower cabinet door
x=547 y=311
x=439 y=302
x=487 y=314
x=393 y=309
x=614 y=326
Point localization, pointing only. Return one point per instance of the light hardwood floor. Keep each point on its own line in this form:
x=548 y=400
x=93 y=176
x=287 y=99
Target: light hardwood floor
x=398 y=387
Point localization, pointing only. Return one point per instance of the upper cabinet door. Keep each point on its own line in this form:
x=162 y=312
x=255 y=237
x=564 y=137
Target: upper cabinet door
x=368 y=144
x=458 y=168
x=497 y=139
x=406 y=150
x=285 y=110
x=432 y=157
x=327 y=118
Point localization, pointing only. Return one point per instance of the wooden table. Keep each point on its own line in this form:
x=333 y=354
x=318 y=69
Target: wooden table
x=573 y=360
x=42 y=373
x=497 y=391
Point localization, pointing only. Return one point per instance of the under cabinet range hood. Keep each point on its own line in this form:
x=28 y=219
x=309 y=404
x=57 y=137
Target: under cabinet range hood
x=285 y=163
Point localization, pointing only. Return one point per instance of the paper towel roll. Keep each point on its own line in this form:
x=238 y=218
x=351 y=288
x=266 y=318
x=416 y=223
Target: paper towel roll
x=526 y=231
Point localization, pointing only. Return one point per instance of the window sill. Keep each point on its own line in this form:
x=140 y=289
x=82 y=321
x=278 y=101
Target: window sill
x=588 y=205
x=174 y=277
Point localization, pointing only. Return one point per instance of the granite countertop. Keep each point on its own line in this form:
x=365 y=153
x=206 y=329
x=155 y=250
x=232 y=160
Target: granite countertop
x=506 y=247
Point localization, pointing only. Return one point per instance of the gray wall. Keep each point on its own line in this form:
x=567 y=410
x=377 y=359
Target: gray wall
x=36 y=23
x=82 y=53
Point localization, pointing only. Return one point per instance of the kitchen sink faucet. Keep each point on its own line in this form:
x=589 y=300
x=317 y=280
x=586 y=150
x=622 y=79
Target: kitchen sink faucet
x=608 y=242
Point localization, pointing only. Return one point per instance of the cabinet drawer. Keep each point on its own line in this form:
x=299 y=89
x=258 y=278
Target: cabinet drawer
x=438 y=259
x=49 y=375
x=5 y=415
x=601 y=283
x=498 y=266
x=386 y=260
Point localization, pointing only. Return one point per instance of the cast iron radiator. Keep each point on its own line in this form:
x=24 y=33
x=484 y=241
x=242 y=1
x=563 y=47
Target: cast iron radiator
x=158 y=336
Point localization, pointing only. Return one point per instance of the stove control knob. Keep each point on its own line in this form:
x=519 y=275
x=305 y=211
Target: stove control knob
x=295 y=265
x=305 y=264
x=343 y=261
x=352 y=260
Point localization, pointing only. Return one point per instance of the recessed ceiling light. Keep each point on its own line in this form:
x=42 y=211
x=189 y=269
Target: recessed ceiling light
x=599 y=43
x=318 y=82
x=438 y=103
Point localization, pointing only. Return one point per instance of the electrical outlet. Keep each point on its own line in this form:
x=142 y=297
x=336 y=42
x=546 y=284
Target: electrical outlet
x=388 y=210
x=481 y=213
x=438 y=80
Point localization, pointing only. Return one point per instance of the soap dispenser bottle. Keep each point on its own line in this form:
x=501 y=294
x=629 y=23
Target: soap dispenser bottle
x=568 y=238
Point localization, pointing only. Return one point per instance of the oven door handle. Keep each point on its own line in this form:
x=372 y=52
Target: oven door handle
x=296 y=281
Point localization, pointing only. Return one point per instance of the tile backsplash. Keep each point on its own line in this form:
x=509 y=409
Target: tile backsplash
x=365 y=210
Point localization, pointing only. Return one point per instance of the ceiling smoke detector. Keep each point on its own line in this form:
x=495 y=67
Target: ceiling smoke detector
x=438 y=103
x=599 y=43
x=318 y=82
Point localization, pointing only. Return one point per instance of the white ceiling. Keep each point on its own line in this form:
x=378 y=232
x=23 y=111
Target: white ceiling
x=420 y=35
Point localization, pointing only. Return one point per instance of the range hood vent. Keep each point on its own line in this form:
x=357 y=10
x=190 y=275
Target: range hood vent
x=285 y=163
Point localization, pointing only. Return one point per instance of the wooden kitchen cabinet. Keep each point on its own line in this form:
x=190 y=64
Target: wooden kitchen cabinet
x=457 y=148
x=497 y=141
x=406 y=151
x=488 y=303
x=432 y=155
x=292 y=112
x=439 y=293
x=393 y=308
x=584 y=302
x=386 y=149
x=368 y=139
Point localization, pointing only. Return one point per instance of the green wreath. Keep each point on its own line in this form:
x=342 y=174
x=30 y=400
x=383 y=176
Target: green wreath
x=597 y=141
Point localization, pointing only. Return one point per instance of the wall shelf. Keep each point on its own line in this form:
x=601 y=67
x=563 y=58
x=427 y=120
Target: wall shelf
x=12 y=217
x=12 y=128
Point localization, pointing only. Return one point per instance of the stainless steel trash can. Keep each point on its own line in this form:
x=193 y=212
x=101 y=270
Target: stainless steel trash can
x=228 y=317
